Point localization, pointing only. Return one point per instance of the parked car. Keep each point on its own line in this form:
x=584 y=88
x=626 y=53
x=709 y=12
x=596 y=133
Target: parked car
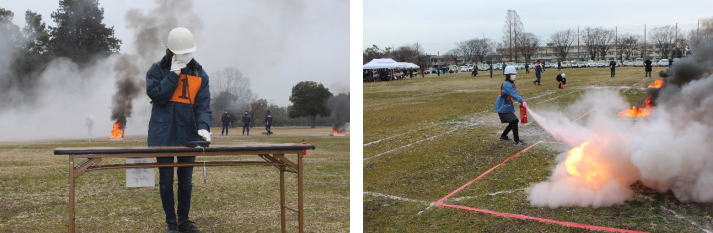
x=466 y=69
x=663 y=62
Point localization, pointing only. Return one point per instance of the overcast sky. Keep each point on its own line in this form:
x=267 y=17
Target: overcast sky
x=438 y=25
x=275 y=43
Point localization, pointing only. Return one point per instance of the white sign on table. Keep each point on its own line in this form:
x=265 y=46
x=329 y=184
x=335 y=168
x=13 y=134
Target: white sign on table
x=140 y=177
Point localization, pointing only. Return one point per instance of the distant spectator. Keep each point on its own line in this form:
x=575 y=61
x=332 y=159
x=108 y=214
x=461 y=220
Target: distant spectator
x=559 y=65
x=538 y=72
x=491 y=70
x=612 y=68
x=647 y=68
x=527 y=68
x=246 y=123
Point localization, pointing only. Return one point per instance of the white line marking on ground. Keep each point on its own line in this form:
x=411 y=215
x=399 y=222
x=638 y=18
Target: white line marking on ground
x=489 y=194
x=393 y=136
x=687 y=219
x=426 y=209
x=411 y=144
x=392 y=197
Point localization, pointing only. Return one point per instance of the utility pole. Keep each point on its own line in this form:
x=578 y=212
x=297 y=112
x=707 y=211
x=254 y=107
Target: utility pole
x=616 y=42
x=644 y=55
x=675 y=42
x=578 y=56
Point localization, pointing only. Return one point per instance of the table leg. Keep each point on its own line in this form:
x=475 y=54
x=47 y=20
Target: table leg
x=283 y=218
x=300 y=194
x=71 y=204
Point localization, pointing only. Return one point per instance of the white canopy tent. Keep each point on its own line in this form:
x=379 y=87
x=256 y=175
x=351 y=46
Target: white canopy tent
x=383 y=63
x=410 y=65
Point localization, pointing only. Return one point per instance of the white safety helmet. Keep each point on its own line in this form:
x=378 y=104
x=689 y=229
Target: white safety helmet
x=180 y=41
x=510 y=70
x=564 y=75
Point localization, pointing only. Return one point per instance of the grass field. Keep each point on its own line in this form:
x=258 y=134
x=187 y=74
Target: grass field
x=425 y=137
x=33 y=190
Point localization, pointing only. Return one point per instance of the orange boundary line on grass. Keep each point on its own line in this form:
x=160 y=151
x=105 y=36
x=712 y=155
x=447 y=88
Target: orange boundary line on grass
x=440 y=201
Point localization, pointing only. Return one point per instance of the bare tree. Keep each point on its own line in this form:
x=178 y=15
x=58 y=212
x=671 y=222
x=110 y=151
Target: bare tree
x=627 y=44
x=465 y=50
x=527 y=45
x=597 y=41
x=589 y=39
x=562 y=42
x=481 y=48
x=231 y=87
x=664 y=37
x=512 y=29
x=604 y=42
x=705 y=32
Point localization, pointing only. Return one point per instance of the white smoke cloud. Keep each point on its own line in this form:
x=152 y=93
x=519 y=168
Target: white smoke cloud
x=668 y=150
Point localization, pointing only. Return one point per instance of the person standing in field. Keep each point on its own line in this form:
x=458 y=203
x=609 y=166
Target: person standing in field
x=559 y=65
x=225 y=120
x=491 y=70
x=246 y=123
x=180 y=97
x=612 y=68
x=268 y=122
x=647 y=68
x=527 y=68
x=538 y=72
x=504 y=106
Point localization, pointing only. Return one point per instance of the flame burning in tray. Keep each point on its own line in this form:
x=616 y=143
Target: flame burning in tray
x=336 y=132
x=656 y=84
x=117 y=131
x=647 y=106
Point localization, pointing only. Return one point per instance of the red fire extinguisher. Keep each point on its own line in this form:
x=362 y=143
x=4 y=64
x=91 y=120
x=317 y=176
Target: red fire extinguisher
x=523 y=114
x=303 y=142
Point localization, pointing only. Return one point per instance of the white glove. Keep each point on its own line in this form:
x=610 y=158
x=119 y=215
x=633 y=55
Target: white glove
x=205 y=134
x=177 y=65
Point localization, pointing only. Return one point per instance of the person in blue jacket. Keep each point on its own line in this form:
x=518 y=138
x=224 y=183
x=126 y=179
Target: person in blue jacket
x=504 y=105
x=246 y=122
x=268 y=122
x=538 y=72
x=180 y=113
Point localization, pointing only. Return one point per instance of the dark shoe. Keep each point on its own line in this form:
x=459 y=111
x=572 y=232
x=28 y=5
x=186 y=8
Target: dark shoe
x=506 y=138
x=188 y=227
x=520 y=143
x=172 y=228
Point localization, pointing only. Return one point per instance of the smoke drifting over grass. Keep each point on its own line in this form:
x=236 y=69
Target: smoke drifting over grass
x=668 y=150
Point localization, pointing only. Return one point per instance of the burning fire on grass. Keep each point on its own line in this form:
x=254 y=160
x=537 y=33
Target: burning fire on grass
x=117 y=130
x=646 y=106
x=667 y=149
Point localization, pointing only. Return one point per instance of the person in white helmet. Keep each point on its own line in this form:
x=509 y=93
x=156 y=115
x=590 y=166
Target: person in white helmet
x=180 y=98
x=561 y=80
x=504 y=105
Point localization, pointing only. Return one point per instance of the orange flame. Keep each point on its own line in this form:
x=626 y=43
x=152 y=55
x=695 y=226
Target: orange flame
x=656 y=84
x=639 y=112
x=582 y=162
x=117 y=131
x=338 y=133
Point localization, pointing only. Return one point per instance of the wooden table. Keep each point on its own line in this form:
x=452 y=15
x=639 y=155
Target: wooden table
x=271 y=155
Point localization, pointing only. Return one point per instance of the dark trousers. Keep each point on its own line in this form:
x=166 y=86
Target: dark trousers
x=613 y=72
x=512 y=125
x=246 y=128
x=268 y=129
x=648 y=73
x=537 y=78
x=185 y=186
x=225 y=130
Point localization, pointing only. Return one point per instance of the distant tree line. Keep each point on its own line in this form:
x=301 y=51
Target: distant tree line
x=517 y=45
